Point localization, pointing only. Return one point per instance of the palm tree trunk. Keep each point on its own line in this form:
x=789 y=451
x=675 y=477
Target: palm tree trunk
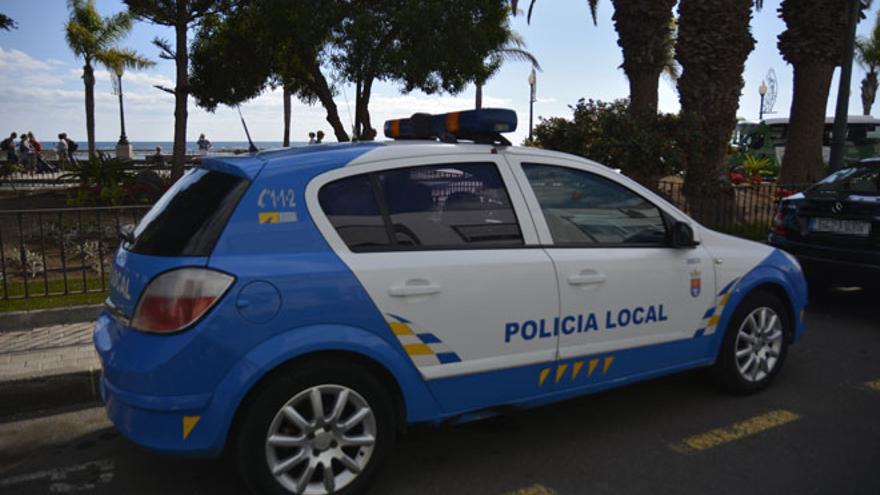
x=286 y=96
x=869 y=92
x=803 y=161
x=181 y=92
x=643 y=92
x=325 y=96
x=478 y=104
x=367 y=131
x=89 y=82
x=713 y=43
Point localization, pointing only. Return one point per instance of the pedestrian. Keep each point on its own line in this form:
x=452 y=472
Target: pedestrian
x=71 y=148
x=41 y=165
x=157 y=157
x=26 y=152
x=320 y=137
x=311 y=138
x=204 y=144
x=61 y=151
x=8 y=145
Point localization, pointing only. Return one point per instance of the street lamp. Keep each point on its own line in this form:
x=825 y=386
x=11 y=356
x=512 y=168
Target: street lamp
x=118 y=70
x=762 y=90
x=533 y=79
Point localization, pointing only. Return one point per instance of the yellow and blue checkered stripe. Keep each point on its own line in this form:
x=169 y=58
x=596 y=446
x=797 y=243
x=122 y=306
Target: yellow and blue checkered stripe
x=713 y=314
x=424 y=348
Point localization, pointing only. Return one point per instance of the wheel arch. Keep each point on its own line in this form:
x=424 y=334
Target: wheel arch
x=411 y=397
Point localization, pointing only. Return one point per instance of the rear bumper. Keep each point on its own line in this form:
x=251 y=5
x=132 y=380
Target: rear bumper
x=190 y=425
x=839 y=264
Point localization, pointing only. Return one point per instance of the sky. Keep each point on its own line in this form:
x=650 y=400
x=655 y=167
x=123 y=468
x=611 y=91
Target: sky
x=41 y=88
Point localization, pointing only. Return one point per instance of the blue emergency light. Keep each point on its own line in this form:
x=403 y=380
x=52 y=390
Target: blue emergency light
x=483 y=126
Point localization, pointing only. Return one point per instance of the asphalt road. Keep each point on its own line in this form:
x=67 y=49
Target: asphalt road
x=816 y=430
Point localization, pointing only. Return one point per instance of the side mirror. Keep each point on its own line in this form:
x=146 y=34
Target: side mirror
x=683 y=235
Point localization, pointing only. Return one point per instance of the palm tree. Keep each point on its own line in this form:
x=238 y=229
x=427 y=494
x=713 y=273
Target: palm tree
x=868 y=56
x=645 y=34
x=6 y=23
x=116 y=61
x=513 y=49
x=93 y=38
x=713 y=42
x=813 y=44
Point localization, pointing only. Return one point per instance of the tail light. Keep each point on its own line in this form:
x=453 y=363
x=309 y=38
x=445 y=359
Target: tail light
x=778 y=226
x=176 y=299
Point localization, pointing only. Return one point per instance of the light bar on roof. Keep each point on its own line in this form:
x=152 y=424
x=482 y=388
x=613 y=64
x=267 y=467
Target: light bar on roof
x=468 y=124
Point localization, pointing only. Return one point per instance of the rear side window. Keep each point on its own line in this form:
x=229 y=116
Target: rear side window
x=352 y=208
x=461 y=205
x=189 y=218
x=586 y=209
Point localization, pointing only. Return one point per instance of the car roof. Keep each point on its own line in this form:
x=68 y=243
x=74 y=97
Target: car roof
x=352 y=154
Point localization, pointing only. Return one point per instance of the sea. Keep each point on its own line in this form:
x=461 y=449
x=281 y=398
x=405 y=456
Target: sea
x=145 y=148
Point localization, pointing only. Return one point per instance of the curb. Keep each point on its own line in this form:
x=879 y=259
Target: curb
x=28 y=396
x=21 y=320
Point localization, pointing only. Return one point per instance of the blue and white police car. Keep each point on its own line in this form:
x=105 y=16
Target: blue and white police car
x=298 y=308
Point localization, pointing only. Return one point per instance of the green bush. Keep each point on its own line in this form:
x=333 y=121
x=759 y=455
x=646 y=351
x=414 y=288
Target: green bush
x=642 y=148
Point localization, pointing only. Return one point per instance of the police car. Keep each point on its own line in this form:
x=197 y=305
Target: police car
x=298 y=308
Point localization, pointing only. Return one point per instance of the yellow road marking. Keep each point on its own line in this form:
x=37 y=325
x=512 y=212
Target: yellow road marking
x=593 y=364
x=737 y=431
x=560 y=371
x=535 y=489
x=608 y=361
x=576 y=369
x=873 y=385
x=544 y=373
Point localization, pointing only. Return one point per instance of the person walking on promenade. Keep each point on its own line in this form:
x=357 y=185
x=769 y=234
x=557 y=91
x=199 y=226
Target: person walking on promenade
x=26 y=152
x=311 y=138
x=61 y=151
x=320 y=137
x=204 y=144
x=71 y=148
x=41 y=165
x=8 y=145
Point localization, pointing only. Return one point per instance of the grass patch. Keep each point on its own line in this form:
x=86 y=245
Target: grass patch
x=37 y=289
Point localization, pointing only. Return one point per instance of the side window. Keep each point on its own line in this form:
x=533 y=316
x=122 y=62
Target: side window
x=449 y=206
x=586 y=209
x=351 y=206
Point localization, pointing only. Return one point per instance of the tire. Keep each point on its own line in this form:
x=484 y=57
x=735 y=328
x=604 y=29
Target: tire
x=760 y=341
x=300 y=435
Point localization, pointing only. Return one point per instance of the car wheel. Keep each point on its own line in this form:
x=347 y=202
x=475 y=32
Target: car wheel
x=319 y=429
x=755 y=344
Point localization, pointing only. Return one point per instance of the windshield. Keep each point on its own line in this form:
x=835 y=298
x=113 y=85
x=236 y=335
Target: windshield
x=855 y=180
x=190 y=216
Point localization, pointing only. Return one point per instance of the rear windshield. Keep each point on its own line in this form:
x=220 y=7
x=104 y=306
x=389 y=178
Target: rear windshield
x=855 y=180
x=189 y=218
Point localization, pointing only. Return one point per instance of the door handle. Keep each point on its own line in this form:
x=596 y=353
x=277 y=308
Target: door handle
x=586 y=277
x=415 y=287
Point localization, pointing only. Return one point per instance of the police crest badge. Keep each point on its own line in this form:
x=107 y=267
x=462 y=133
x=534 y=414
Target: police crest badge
x=695 y=283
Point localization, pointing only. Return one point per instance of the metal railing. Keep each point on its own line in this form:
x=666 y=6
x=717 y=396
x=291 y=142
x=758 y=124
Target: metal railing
x=59 y=251
x=747 y=212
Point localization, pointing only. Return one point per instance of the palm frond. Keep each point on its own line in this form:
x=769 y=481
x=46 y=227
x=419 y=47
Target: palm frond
x=115 y=28
x=518 y=54
x=117 y=60
x=594 y=7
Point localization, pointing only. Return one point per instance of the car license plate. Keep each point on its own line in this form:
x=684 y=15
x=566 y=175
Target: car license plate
x=835 y=226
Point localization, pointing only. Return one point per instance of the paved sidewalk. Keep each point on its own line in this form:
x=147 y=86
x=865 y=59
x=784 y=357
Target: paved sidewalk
x=47 y=351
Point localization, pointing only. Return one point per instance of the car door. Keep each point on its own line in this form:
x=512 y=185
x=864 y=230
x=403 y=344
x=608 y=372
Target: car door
x=625 y=292
x=446 y=249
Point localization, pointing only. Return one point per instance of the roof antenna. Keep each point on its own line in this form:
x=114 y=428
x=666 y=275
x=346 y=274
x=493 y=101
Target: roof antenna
x=252 y=148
